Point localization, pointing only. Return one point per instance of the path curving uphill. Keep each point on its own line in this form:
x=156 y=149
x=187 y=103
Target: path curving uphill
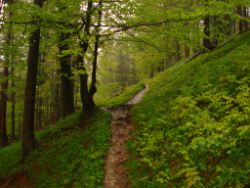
x=116 y=174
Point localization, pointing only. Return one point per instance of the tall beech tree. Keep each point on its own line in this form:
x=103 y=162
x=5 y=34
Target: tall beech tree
x=28 y=137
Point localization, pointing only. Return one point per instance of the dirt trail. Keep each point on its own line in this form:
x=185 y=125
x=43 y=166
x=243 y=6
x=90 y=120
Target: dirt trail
x=116 y=175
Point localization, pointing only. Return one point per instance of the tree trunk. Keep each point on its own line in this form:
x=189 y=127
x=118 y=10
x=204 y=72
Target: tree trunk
x=57 y=104
x=245 y=15
x=207 y=44
x=84 y=92
x=13 y=106
x=67 y=89
x=4 y=85
x=186 y=51
x=241 y=23
x=243 y=12
x=3 y=108
x=93 y=88
x=177 y=49
x=28 y=137
x=83 y=77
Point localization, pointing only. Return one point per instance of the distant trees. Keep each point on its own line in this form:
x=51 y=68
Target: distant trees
x=243 y=11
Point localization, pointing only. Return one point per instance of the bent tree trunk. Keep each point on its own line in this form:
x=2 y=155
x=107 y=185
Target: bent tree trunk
x=67 y=89
x=28 y=138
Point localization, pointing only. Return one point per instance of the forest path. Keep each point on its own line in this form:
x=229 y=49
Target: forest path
x=116 y=175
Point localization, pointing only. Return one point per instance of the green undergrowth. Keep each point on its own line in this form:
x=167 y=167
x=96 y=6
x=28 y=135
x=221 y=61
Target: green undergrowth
x=193 y=126
x=121 y=98
x=70 y=154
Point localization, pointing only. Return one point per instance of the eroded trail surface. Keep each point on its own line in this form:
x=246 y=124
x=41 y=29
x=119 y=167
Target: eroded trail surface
x=116 y=174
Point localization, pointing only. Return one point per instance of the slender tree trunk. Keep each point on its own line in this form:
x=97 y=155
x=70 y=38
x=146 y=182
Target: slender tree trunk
x=57 y=101
x=3 y=108
x=4 y=85
x=28 y=137
x=67 y=89
x=207 y=44
x=84 y=92
x=93 y=88
x=241 y=23
x=186 y=51
x=177 y=49
x=83 y=77
x=76 y=93
x=47 y=111
x=13 y=95
x=13 y=106
x=245 y=14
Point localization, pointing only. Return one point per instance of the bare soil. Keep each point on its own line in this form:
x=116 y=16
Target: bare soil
x=116 y=174
x=18 y=180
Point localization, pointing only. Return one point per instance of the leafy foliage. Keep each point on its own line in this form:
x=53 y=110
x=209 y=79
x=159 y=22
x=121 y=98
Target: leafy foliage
x=196 y=130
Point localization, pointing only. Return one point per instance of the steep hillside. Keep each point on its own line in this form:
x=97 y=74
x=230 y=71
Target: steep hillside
x=71 y=154
x=193 y=126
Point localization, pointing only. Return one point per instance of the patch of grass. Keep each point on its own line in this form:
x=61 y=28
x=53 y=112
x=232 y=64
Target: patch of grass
x=196 y=129
x=123 y=97
x=10 y=158
x=70 y=154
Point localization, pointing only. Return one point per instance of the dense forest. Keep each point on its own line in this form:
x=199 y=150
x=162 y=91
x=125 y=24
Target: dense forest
x=125 y=93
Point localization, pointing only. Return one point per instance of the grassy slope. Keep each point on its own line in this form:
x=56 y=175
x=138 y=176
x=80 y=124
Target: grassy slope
x=69 y=155
x=122 y=98
x=196 y=129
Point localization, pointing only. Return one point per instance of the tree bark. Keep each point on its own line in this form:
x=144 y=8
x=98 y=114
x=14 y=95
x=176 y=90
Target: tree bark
x=177 y=49
x=3 y=108
x=245 y=14
x=207 y=44
x=4 y=85
x=84 y=92
x=13 y=106
x=28 y=137
x=186 y=51
x=57 y=103
x=67 y=89
x=83 y=77
x=93 y=88
x=241 y=24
